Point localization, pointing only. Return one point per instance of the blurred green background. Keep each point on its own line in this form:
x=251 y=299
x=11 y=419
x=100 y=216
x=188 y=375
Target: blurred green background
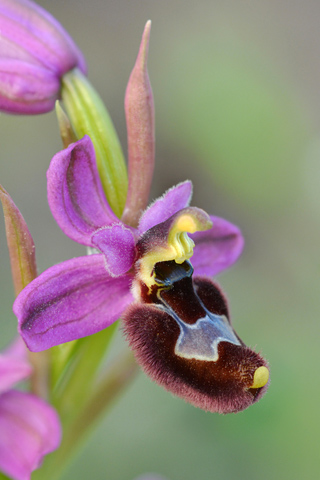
x=237 y=93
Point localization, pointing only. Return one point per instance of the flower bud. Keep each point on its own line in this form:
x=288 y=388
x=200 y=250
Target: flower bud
x=35 y=53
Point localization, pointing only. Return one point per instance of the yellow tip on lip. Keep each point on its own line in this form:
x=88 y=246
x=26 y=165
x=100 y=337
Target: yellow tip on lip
x=260 y=378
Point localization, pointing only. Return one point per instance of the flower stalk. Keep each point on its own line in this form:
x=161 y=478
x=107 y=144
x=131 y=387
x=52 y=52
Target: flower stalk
x=24 y=270
x=70 y=394
x=67 y=133
x=112 y=383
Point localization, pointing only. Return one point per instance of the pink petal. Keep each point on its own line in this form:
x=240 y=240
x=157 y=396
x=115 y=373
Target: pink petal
x=75 y=193
x=71 y=300
x=17 y=350
x=118 y=246
x=171 y=202
x=29 y=429
x=35 y=53
x=28 y=32
x=14 y=365
x=216 y=249
x=27 y=88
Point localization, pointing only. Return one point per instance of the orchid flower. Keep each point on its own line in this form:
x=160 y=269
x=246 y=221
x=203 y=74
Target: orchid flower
x=99 y=286
x=35 y=53
x=145 y=269
x=143 y=275
x=29 y=427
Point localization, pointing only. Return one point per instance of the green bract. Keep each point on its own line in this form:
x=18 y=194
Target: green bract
x=89 y=116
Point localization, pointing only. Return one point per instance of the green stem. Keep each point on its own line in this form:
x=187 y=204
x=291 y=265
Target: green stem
x=71 y=393
x=113 y=382
x=39 y=379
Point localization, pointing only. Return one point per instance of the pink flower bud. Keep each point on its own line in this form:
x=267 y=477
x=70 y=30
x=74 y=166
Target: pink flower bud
x=35 y=52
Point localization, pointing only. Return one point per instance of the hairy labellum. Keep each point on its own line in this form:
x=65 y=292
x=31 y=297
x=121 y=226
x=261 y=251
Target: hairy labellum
x=182 y=336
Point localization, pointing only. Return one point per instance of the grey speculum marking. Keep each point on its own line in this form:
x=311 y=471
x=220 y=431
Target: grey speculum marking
x=201 y=339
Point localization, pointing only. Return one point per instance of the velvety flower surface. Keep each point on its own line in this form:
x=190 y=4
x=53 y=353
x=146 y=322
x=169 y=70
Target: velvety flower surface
x=29 y=428
x=83 y=295
x=35 y=52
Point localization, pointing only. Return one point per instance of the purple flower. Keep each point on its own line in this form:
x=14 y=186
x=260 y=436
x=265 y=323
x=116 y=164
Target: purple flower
x=29 y=428
x=35 y=52
x=178 y=325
